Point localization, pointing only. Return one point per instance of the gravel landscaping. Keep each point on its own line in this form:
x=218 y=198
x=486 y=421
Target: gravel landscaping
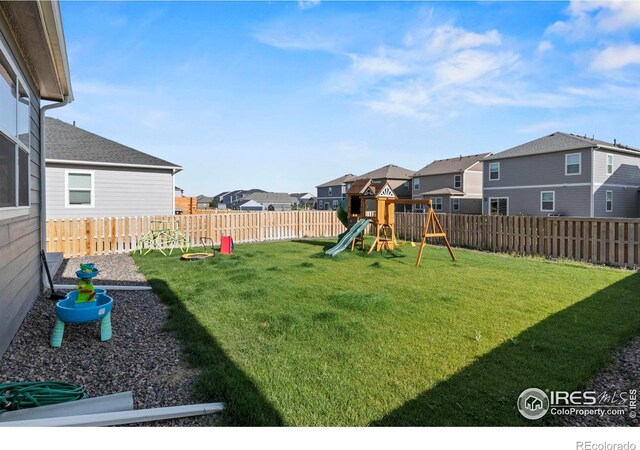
x=621 y=375
x=140 y=357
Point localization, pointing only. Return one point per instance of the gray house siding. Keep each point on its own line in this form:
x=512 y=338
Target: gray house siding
x=467 y=205
x=541 y=169
x=626 y=168
x=569 y=200
x=470 y=184
x=433 y=182
x=625 y=202
x=323 y=196
x=522 y=179
x=472 y=181
x=20 y=279
x=117 y=192
x=624 y=183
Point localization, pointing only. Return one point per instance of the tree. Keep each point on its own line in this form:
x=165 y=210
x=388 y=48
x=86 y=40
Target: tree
x=213 y=203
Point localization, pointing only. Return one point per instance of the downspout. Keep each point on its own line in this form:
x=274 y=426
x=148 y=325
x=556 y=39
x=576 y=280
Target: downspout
x=593 y=191
x=43 y=181
x=43 y=206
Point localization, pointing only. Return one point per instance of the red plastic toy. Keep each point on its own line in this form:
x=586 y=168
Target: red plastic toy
x=226 y=245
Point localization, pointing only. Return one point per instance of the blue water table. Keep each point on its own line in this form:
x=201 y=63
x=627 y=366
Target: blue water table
x=85 y=304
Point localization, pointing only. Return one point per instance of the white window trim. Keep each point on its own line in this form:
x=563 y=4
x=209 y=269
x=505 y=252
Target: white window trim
x=554 y=201
x=605 y=201
x=406 y=185
x=607 y=163
x=335 y=204
x=326 y=205
x=330 y=191
x=494 y=179
x=10 y=212
x=498 y=198
x=66 y=188
x=455 y=201
x=433 y=201
x=416 y=184
x=566 y=157
x=458 y=182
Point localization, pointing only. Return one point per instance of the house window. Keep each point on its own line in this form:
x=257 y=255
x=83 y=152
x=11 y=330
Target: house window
x=437 y=203
x=326 y=205
x=406 y=186
x=319 y=205
x=335 y=204
x=494 y=171
x=80 y=188
x=457 y=181
x=499 y=206
x=573 y=164
x=609 y=164
x=609 y=201
x=548 y=201
x=330 y=191
x=416 y=184
x=456 y=204
x=14 y=137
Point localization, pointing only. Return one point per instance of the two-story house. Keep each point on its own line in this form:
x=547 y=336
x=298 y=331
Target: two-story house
x=454 y=185
x=330 y=193
x=563 y=174
x=398 y=178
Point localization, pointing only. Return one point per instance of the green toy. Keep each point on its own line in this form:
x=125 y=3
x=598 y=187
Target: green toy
x=86 y=291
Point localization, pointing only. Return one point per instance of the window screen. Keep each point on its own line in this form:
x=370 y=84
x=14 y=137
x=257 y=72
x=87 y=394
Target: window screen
x=23 y=178
x=7 y=173
x=79 y=188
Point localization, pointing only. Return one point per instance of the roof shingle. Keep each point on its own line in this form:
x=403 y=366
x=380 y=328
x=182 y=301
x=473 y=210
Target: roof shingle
x=390 y=171
x=557 y=142
x=338 y=181
x=70 y=143
x=451 y=165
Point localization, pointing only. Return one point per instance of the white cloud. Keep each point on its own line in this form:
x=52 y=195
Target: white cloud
x=616 y=57
x=472 y=65
x=447 y=37
x=544 y=47
x=308 y=4
x=378 y=65
x=286 y=39
x=588 y=19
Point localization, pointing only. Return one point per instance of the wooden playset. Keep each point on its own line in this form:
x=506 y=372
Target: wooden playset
x=367 y=200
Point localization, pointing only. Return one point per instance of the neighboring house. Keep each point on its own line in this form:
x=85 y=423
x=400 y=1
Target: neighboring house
x=179 y=192
x=92 y=176
x=454 y=185
x=305 y=200
x=270 y=201
x=233 y=197
x=204 y=202
x=563 y=174
x=332 y=192
x=33 y=65
x=250 y=205
x=398 y=178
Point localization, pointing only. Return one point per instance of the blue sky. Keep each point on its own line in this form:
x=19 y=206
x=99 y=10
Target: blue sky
x=287 y=95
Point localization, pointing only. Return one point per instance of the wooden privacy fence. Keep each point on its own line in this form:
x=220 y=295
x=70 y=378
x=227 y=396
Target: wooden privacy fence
x=109 y=235
x=600 y=241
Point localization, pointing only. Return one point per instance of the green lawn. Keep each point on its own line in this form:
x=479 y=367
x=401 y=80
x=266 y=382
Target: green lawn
x=285 y=335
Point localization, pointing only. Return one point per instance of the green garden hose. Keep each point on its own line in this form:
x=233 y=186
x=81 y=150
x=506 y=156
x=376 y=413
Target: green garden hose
x=28 y=395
